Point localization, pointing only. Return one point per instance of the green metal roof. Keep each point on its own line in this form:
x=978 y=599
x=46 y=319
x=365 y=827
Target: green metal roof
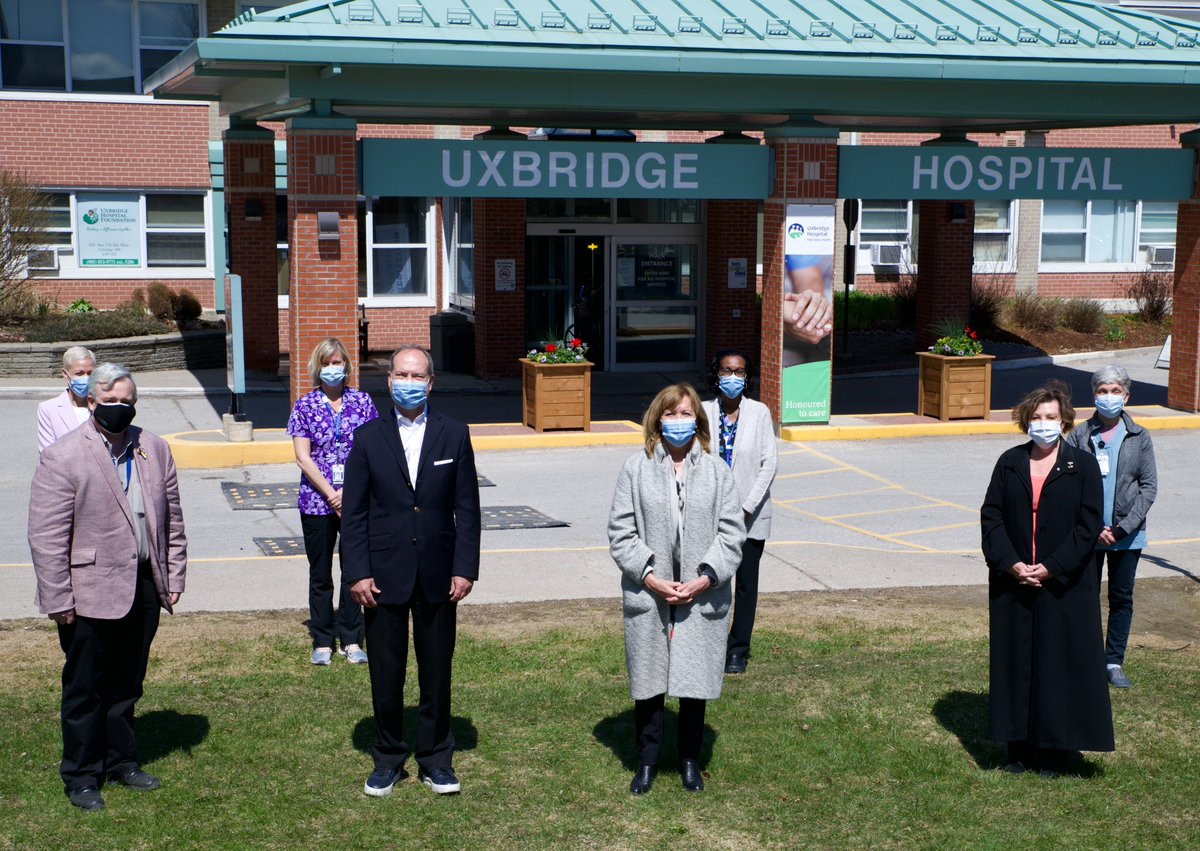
x=731 y=64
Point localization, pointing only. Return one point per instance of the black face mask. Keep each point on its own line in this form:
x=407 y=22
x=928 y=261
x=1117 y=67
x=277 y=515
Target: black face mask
x=114 y=418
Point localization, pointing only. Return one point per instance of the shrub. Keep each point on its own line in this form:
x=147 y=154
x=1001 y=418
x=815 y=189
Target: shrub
x=135 y=304
x=904 y=294
x=21 y=302
x=1084 y=315
x=1114 y=328
x=162 y=301
x=1151 y=293
x=188 y=307
x=987 y=299
x=98 y=325
x=80 y=306
x=867 y=310
x=1026 y=310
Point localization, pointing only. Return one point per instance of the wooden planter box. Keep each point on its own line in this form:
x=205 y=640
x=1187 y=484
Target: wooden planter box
x=556 y=395
x=954 y=388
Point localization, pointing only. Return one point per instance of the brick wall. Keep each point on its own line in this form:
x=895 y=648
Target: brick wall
x=945 y=249
x=76 y=144
x=1183 y=387
x=499 y=316
x=107 y=294
x=731 y=231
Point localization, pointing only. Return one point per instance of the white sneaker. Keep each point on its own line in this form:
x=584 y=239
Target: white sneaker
x=354 y=654
x=322 y=656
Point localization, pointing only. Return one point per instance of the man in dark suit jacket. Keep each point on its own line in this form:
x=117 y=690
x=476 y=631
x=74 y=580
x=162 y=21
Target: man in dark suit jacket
x=106 y=534
x=410 y=543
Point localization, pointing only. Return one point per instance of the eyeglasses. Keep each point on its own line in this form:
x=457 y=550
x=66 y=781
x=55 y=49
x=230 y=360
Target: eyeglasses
x=726 y=372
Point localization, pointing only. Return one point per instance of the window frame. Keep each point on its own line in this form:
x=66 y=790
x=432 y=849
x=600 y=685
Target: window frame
x=425 y=299
x=1070 y=266
x=863 y=246
x=1008 y=265
x=452 y=246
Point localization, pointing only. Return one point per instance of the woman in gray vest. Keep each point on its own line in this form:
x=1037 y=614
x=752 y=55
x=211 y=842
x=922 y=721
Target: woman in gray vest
x=676 y=532
x=744 y=438
x=1125 y=453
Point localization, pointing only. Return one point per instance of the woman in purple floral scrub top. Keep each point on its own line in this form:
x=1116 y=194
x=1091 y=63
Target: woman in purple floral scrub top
x=322 y=428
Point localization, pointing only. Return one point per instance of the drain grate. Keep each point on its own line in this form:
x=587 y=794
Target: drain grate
x=280 y=546
x=517 y=517
x=273 y=495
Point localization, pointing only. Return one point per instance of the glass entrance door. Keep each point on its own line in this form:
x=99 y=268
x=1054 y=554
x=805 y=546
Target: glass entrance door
x=656 y=302
x=564 y=292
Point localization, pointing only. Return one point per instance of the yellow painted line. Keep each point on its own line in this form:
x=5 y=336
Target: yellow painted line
x=859 y=530
x=934 y=428
x=835 y=495
x=884 y=511
x=862 y=548
x=813 y=473
x=936 y=529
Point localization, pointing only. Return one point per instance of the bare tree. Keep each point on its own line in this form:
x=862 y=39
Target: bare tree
x=23 y=221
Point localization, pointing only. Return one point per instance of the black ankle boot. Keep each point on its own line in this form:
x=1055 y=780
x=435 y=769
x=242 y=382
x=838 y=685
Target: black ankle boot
x=643 y=779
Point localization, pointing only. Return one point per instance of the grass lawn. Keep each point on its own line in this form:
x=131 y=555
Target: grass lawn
x=861 y=722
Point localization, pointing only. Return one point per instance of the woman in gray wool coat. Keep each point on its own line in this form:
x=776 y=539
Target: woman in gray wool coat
x=676 y=533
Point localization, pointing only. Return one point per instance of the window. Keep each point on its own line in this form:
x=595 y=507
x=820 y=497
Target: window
x=887 y=233
x=398 y=244
x=92 y=48
x=31 y=45
x=461 y=240
x=1157 y=231
x=127 y=234
x=993 y=235
x=1104 y=232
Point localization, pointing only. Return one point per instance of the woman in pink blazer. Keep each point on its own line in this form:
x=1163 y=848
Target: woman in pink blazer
x=66 y=411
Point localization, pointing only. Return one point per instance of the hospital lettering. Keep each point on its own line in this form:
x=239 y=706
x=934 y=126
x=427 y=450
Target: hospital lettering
x=1034 y=173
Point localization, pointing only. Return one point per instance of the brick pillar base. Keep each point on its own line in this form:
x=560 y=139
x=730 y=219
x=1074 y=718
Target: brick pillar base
x=1183 y=384
x=731 y=233
x=945 y=254
x=499 y=230
x=250 y=192
x=323 y=298
x=805 y=173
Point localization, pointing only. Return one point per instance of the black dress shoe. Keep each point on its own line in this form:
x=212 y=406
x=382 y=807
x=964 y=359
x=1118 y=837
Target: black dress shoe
x=643 y=779
x=87 y=799
x=689 y=772
x=135 y=778
x=735 y=663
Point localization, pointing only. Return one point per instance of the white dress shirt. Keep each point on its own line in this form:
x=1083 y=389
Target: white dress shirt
x=412 y=435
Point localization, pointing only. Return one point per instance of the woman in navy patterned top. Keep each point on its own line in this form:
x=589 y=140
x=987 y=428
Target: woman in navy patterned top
x=322 y=428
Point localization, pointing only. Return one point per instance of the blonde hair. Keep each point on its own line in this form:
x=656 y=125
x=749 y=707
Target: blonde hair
x=667 y=399
x=325 y=349
x=1054 y=391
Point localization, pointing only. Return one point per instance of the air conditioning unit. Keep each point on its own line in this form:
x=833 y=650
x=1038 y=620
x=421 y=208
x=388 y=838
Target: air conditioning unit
x=887 y=254
x=42 y=260
x=1163 y=255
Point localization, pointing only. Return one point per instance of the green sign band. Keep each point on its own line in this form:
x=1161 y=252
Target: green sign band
x=945 y=173
x=550 y=169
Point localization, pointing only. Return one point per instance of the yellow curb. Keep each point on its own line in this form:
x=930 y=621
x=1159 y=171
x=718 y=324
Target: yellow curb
x=203 y=450
x=1147 y=416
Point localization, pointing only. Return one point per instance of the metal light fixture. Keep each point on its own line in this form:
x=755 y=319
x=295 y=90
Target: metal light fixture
x=327 y=226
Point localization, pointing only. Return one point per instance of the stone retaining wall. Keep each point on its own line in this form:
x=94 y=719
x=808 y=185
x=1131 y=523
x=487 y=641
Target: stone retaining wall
x=177 y=350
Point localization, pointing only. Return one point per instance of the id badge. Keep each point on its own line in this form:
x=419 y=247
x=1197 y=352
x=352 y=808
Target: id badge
x=338 y=472
x=1102 y=460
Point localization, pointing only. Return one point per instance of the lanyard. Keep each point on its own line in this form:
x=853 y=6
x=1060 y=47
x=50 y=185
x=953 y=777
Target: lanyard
x=337 y=421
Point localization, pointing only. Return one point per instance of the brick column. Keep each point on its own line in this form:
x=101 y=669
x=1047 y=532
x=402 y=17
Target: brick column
x=250 y=193
x=805 y=173
x=323 y=297
x=730 y=233
x=945 y=257
x=1183 y=383
x=499 y=229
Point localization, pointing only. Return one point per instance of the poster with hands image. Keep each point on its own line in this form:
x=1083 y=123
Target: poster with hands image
x=807 y=312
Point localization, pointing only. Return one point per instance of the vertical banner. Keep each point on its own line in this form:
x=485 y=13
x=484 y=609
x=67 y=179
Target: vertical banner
x=807 y=313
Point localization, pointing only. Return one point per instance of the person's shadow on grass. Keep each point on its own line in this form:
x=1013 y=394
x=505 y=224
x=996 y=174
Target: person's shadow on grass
x=466 y=737
x=965 y=714
x=616 y=733
x=163 y=731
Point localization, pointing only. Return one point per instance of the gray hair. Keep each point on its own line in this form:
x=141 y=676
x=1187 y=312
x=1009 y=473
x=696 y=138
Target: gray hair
x=412 y=348
x=106 y=375
x=1111 y=374
x=77 y=353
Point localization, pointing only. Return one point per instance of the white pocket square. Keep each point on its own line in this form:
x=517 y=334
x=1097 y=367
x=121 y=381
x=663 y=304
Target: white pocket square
x=443 y=461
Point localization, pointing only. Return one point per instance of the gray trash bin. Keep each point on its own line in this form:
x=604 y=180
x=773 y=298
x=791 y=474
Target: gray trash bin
x=452 y=342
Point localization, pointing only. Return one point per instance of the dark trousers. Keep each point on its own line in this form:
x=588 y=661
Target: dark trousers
x=745 y=597
x=320 y=537
x=1122 y=567
x=101 y=682
x=433 y=632
x=648 y=727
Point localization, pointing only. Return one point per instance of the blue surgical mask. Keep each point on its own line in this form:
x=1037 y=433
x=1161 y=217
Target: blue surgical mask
x=731 y=385
x=1110 y=405
x=331 y=376
x=409 y=395
x=678 y=432
x=79 y=387
x=1045 y=432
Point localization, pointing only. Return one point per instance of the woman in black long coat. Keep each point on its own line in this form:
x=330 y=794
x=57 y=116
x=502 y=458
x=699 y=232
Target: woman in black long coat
x=1049 y=692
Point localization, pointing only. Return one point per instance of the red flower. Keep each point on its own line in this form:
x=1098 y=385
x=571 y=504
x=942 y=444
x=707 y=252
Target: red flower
x=974 y=336
x=551 y=348
x=576 y=342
